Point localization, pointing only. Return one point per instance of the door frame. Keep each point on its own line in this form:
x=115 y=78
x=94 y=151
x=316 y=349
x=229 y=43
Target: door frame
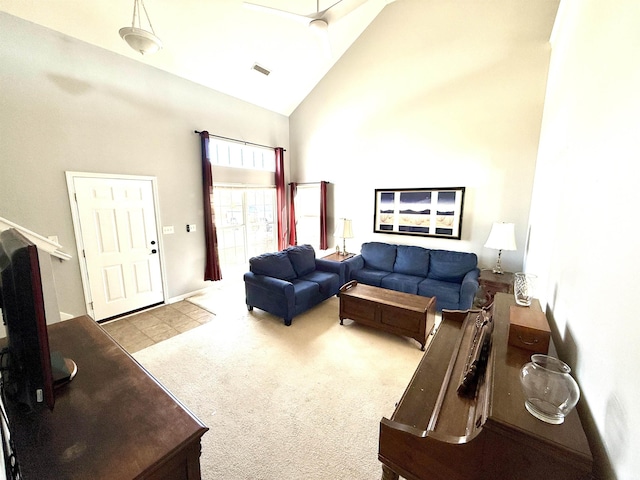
x=75 y=216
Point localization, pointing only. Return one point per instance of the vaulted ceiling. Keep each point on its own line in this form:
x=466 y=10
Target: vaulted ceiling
x=216 y=42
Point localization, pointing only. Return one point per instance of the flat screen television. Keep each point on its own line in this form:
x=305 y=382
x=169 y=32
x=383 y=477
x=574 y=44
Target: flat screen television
x=27 y=299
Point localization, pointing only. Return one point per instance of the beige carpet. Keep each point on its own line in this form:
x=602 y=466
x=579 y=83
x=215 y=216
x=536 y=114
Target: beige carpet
x=298 y=402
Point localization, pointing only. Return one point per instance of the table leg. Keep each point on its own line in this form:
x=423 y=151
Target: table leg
x=388 y=474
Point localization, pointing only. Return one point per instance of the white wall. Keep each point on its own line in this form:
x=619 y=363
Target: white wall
x=433 y=94
x=584 y=210
x=395 y=113
x=68 y=106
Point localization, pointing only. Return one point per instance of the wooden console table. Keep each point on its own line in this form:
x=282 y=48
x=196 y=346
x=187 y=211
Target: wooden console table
x=394 y=312
x=436 y=434
x=112 y=421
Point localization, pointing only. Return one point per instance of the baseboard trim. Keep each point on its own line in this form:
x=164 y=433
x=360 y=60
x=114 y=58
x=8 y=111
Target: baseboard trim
x=184 y=296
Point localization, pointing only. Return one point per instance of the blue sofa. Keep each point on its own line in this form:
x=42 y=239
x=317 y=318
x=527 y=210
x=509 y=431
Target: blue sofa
x=451 y=277
x=289 y=282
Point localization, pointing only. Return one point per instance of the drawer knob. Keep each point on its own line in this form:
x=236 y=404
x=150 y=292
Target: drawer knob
x=527 y=343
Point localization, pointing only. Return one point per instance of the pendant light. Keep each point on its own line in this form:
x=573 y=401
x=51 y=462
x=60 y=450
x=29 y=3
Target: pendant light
x=141 y=40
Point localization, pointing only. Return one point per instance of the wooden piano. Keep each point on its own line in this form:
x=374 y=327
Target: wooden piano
x=437 y=434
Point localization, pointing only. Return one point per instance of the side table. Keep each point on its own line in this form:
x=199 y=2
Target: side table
x=338 y=257
x=490 y=284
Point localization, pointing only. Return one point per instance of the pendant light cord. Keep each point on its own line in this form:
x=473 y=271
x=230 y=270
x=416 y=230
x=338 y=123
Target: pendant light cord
x=136 y=13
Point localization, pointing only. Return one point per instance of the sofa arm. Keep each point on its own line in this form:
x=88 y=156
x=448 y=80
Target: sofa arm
x=271 y=295
x=332 y=267
x=262 y=291
x=352 y=264
x=468 y=289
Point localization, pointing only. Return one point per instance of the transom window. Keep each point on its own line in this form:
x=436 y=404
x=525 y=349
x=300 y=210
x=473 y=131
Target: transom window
x=237 y=155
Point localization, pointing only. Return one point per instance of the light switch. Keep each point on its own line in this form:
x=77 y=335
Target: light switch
x=191 y=227
x=167 y=230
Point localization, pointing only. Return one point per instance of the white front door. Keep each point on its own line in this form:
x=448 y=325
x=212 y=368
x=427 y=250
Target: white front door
x=120 y=243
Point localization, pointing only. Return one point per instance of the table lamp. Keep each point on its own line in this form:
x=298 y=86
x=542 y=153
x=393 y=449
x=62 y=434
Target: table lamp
x=501 y=237
x=344 y=231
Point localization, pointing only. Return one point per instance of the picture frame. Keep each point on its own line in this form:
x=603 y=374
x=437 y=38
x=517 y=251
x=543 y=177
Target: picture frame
x=426 y=212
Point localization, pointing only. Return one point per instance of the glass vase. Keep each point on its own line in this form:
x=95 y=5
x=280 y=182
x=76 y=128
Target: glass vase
x=550 y=391
x=523 y=288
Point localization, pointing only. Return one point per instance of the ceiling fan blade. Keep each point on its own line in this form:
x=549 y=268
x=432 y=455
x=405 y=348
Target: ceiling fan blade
x=281 y=13
x=341 y=9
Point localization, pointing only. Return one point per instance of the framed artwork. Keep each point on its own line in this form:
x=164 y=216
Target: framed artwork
x=428 y=212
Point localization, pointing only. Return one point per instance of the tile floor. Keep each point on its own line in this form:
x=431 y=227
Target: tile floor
x=141 y=330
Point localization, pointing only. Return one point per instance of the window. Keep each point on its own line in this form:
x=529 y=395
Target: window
x=237 y=155
x=244 y=202
x=307 y=204
x=244 y=221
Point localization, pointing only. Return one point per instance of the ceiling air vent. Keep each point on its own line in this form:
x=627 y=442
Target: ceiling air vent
x=261 y=69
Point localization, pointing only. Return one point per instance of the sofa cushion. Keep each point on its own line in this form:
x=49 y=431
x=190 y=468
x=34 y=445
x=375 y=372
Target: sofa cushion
x=412 y=260
x=368 y=276
x=303 y=259
x=305 y=292
x=329 y=282
x=450 y=266
x=378 y=256
x=401 y=282
x=275 y=264
x=447 y=293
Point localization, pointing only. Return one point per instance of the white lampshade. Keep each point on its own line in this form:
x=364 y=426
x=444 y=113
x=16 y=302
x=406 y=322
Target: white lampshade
x=343 y=229
x=502 y=237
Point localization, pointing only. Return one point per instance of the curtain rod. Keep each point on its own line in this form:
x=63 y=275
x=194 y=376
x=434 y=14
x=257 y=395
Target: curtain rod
x=237 y=141
x=307 y=183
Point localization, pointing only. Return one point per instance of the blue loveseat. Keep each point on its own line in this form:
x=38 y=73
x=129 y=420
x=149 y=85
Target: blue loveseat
x=451 y=277
x=289 y=282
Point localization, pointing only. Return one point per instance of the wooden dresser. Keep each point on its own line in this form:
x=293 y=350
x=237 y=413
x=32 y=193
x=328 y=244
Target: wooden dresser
x=112 y=421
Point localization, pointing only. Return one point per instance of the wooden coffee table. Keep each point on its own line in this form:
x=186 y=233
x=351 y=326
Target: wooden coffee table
x=394 y=312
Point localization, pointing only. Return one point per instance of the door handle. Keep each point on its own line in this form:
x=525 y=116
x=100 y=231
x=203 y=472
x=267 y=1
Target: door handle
x=154 y=251
x=153 y=242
